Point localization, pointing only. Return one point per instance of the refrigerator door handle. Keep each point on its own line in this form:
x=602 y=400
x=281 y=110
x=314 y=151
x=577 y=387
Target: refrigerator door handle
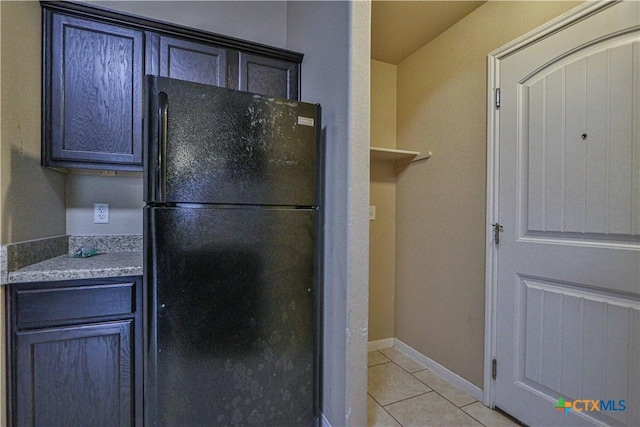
x=163 y=123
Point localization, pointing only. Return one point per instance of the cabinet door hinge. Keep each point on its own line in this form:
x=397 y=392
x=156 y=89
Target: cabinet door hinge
x=497 y=97
x=494 y=368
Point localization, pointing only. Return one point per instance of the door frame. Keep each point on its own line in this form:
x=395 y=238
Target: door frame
x=556 y=25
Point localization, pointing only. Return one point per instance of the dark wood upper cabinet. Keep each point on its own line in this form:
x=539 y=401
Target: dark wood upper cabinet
x=268 y=76
x=93 y=93
x=195 y=62
x=94 y=62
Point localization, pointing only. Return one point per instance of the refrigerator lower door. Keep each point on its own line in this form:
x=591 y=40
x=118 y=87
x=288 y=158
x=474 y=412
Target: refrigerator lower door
x=231 y=317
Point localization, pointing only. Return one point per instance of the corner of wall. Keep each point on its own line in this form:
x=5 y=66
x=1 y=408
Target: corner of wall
x=382 y=240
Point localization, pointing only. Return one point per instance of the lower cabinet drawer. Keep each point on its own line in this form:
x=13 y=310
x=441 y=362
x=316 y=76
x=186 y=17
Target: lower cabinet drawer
x=64 y=303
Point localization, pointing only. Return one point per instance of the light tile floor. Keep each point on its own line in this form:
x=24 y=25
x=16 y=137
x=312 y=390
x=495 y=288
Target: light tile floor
x=404 y=393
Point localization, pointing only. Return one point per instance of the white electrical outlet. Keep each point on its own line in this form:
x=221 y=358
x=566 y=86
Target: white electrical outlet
x=101 y=213
x=372 y=213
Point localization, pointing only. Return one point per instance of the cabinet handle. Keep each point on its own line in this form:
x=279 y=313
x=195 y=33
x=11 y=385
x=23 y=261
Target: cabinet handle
x=163 y=123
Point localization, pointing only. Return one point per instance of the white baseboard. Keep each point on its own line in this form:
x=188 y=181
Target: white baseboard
x=451 y=377
x=377 y=345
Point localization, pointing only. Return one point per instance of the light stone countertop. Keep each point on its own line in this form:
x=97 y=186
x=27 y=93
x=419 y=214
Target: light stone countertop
x=110 y=264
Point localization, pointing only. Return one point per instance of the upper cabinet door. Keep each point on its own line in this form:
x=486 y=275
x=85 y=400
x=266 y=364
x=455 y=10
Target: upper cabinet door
x=192 y=61
x=93 y=94
x=268 y=76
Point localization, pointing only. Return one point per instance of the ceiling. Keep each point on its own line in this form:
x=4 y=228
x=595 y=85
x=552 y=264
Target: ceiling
x=399 y=28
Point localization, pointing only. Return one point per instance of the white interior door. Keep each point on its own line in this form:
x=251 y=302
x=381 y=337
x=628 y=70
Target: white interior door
x=568 y=261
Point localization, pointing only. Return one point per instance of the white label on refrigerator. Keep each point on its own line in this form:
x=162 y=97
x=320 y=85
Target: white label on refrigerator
x=306 y=121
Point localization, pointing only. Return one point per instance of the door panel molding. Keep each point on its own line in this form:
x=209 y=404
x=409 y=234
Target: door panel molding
x=597 y=208
x=585 y=320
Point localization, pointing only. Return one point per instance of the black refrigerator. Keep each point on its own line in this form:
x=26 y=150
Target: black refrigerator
x=231 y=223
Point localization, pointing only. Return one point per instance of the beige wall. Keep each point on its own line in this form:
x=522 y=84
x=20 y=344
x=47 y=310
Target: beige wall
x=31 y=198
x=32 y=201
x=383 y=104
x=383 y=196
x=440 y=241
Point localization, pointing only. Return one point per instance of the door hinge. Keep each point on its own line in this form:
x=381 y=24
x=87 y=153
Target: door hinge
x=497 y=97
x=494 y=368
x=497 y=228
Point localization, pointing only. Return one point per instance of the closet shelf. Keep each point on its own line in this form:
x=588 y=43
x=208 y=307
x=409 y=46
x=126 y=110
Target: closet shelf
x=400 y=158
x=391 y=154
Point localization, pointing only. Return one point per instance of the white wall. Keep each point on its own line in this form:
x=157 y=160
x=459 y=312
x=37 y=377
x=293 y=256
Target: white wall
x=335 y=39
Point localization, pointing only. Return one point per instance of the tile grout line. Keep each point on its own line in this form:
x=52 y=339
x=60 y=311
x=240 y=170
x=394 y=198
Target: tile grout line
x=440 y=394
x=408 y=372
x=374 y=399
x=378 y=364
x=383 y=408
x=424 y=368
x=474 y=418
x=395 y=419
x=403 y=400
x=481 y=423
x=448 y=400
x=468 y=404
x=445 y=398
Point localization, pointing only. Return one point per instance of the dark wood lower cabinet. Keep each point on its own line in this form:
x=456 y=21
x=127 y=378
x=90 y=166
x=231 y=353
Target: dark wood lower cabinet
x=76 y=370
x=78 y=375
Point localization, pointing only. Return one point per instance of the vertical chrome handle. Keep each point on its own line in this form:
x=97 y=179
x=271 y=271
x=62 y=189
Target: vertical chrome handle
x=163 y=125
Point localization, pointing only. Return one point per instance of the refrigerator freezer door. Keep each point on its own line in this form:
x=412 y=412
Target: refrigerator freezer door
x=228 y=147
x=232 y=317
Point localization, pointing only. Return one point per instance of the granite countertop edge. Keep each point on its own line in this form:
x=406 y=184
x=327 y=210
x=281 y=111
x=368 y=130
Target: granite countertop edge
x=51 y=276
x=110 y=264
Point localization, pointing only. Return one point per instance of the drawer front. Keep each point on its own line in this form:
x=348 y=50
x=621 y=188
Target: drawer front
x=68 y=304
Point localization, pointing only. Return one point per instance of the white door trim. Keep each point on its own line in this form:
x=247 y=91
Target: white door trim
x=493 y=119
